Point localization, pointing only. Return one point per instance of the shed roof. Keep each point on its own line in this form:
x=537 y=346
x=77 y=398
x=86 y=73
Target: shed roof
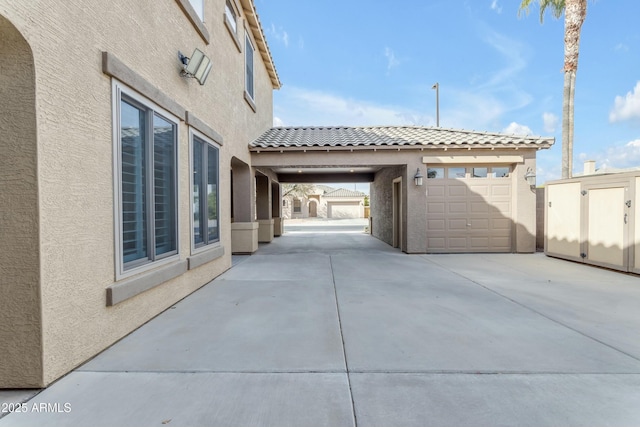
x=293 y=138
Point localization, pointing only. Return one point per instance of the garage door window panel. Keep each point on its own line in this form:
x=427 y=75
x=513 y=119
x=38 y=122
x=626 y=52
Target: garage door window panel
x=457 y=173
x=480 y=172
x=435 y=173
x=501 y=172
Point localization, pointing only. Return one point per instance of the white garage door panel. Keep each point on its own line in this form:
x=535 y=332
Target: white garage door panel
x=436 y=208
x=469 y=215
x=436 y=224
x=480 y=190
x=457 y=224
x=457 y=207
x=344 y=210
x=457 y=191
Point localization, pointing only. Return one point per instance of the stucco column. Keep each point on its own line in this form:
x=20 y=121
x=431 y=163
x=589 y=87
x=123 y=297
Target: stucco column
x=416 y=209
x=244 y=230
x=525 y=206
x=263 y=209
x=276 y=208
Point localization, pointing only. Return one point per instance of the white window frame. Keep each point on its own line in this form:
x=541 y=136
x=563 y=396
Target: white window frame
x=119 y=89
x=199 y=11
x=249 y=48
x=204 y=247
x=231 y=14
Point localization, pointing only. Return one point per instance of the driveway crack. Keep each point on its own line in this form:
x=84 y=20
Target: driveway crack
x=344 y=348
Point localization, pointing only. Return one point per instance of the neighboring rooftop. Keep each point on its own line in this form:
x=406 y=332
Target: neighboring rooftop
x=390 y=136
x=343 y=192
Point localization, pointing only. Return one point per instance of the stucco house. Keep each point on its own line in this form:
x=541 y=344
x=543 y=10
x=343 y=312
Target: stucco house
x=137 y=154
x=117 y=167
x=324 y=202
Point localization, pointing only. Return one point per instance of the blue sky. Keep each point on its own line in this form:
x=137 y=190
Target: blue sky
x=358 y=63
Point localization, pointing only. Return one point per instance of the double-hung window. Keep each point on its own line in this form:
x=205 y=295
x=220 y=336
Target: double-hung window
x=248 y=52
x=147 y=183
x=205 y=198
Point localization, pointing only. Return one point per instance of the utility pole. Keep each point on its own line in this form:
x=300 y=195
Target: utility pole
x=437 y=88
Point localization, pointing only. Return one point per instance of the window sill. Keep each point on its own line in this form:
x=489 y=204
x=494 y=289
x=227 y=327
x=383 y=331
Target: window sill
x=195 y=19
x=204 y=257
x=129 y=288
x=233 y=34
x=250 y=101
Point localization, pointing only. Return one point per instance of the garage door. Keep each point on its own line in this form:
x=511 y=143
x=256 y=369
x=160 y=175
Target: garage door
x=469 y=209
x=344 y=210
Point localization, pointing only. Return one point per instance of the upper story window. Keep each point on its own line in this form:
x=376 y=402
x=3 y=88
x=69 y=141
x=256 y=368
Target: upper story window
x=198 y=6
x=249 y=83
x=230 y=14
x=147 y=182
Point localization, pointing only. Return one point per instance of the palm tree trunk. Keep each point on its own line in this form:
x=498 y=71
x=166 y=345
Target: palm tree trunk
x=574 y=14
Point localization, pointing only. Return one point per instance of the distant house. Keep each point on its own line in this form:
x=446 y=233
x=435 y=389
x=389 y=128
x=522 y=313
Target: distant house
x=324 y=202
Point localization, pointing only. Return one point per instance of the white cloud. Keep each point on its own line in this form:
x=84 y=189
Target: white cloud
x=627 y=107
x=517 y=129
x=616 y=157
x=550 y=121
x=495 y=6
x=279 y=34
x=621 y=47
x=304 y=107
x=277 y=122
x=392 y=61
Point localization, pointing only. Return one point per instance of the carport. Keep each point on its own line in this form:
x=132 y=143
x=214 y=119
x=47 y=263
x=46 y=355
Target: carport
x=473 y=195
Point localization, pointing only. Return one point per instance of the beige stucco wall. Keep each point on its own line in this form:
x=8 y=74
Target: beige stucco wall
x=381 y=202
x=75 y=157
x=20 y=314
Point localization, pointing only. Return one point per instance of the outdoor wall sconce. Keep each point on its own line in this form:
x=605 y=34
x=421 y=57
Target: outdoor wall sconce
x=417 y=178
x=530 y=176
x=197 y=67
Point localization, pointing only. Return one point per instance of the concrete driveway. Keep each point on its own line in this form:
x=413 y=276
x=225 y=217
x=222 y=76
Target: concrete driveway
x=342 y=330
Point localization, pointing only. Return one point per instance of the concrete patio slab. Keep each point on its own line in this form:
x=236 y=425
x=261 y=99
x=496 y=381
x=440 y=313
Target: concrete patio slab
x=457 y=326
x=482 y=339
x=293 y=267
x=315 y=244
x=496 y=400
x=237 y=326
x=597 y=302
x=190 y=399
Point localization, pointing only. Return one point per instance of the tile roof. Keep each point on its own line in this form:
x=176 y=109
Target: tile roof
x=390 y=136
x=342 y=192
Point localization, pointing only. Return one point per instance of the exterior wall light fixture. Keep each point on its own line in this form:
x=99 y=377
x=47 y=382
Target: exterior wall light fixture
x=530 y=176
x=197 y=67
x=417 y=178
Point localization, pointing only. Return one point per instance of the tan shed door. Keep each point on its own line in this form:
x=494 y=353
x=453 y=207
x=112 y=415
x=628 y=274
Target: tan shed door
x=607 y=227
x=469 y=214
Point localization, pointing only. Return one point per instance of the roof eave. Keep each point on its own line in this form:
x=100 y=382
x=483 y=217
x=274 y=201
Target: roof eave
x=261 y=40
x=420 y=147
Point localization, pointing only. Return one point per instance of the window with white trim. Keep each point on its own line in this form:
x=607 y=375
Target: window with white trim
x=230 y=14
x=248 y=60
x=147 y=182
x=205 y=196
x=198 y=6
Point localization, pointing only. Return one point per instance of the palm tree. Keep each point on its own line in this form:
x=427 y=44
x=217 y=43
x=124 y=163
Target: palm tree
x=575 y=12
